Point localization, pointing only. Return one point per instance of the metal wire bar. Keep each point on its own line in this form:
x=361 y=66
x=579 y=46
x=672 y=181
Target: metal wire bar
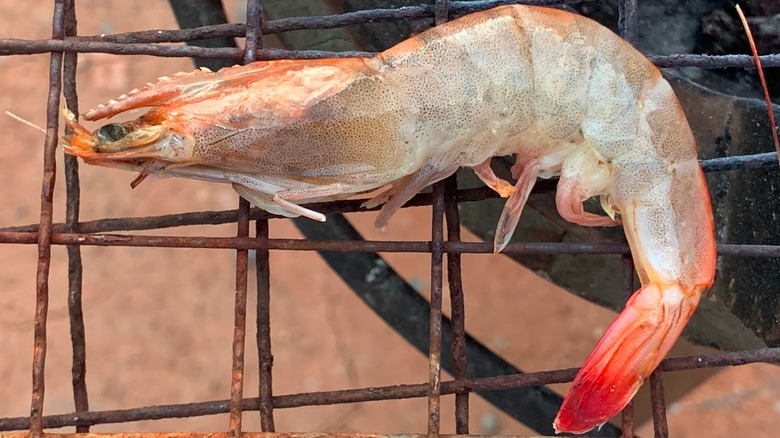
x=242 y=261
x=457 y=306
x=437 y=265
x=30 y=47
x=72 y=206
x=407 y=13
x=627 y=267
x=722 y=359
x=254 y=42
x=141 y=42
x=11 y=46
x=627 y=28
x=742 y=162
x=658 y=404
x=718 y=360
x=627 y=420
x=724 y=249
x=282 y=25
x=229 y=30
x=627 y=20
x=229 y=216
x=44 y=236
x=745 y=62
x=239 y=325
x=441 y=12
x=435 y=321
x=265 y=359
x=254 y=32
x=196 y=13
x=242 y=256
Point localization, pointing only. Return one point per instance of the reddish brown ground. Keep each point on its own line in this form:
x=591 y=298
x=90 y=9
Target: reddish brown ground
x=159 y=321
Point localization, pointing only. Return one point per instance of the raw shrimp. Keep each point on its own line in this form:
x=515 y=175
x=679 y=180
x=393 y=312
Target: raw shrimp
x=560 y=92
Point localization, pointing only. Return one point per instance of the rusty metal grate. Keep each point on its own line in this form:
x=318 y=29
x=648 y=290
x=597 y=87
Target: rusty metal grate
x=444 y=240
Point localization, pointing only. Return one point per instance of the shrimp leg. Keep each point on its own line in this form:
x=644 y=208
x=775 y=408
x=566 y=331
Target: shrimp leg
x=569 y=198
x=407 y=187
x=526 y=172
x=486 y=175
x=266 y=194
x=262 y=200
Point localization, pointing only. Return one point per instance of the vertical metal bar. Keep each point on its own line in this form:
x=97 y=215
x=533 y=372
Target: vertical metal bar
x=442 y=12
x=627 y=420
x=72 y=206
x=437 y=248
x=253 y=11
x=254 y=41
x=627 y=417
x=658 y=404
x=458 y=307
x=239 y=327
x=627 y=20
x=242 y=256
x=265 y=357
x=254 y=31
x=627 y=27
x=45 y=226
x=434 y=335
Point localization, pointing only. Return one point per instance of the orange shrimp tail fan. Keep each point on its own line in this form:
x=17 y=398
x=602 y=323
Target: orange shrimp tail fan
x=631 y=348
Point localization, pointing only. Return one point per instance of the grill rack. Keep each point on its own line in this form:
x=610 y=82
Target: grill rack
x=63 y=47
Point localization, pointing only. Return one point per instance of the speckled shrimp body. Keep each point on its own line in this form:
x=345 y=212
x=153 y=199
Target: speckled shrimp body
x=560 y=92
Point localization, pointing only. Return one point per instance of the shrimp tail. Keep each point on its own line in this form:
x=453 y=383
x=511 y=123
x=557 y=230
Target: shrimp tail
x=631 y=348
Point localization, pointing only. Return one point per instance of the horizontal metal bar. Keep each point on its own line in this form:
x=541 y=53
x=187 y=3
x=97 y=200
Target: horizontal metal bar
x=762 y=160
x=739 y=250
x=770 y=355
x=229 y=216
x=139 y=42
x=722 y=359
x=238 y=30
x=145 y=42
x=12 y=46
x=30 y=47
x=233 y=30
x=740 y=162
x=714 y=61
x=355 y=245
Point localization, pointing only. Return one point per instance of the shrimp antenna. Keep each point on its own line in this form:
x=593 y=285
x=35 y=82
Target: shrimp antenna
x=757 y=60
x=26 y=122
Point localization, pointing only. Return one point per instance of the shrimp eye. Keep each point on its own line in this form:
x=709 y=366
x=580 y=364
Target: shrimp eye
x=112 y=132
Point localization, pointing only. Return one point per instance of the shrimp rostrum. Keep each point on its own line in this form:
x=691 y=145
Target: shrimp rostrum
x=560 y=92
